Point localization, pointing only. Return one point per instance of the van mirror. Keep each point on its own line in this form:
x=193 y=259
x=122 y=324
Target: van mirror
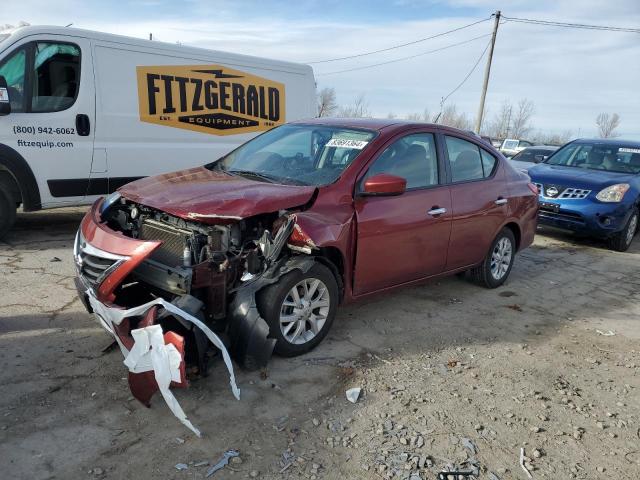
x=5 y=105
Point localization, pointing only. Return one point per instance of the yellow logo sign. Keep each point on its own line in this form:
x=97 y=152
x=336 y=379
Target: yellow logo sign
x=210 y=99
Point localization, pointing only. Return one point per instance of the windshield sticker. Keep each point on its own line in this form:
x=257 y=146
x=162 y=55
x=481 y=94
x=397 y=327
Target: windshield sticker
x=4 y=95
x=629 y=150
x=346 y=143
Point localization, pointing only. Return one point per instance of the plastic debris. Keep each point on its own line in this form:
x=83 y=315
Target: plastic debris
x=609 y=333
x=223 y=462
x=468 y=444
x=522 y=463
x=493 y=476
x=353 y=394
x=181 y=466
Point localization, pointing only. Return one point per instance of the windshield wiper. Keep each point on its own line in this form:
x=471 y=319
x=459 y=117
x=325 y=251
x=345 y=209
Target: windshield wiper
x=250 y=173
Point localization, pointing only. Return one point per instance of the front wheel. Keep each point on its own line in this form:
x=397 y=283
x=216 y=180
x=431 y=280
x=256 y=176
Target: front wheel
x=300 y=309
x=621 y=241
x=7 y=211
x=495 y=268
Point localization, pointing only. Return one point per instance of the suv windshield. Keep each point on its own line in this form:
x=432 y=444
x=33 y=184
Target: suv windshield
x=297 y=154
x=598 y=156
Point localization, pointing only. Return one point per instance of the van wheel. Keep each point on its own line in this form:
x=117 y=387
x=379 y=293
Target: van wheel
x=621 y=241
x=7 y=211
x=496 y=267
x=300 y=309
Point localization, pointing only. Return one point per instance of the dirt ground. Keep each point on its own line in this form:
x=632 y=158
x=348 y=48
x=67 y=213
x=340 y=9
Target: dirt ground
x=452 y=375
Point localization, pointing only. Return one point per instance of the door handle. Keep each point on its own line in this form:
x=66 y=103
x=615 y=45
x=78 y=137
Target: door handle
x=501 y=201
x=83 y=125
x=435 y=211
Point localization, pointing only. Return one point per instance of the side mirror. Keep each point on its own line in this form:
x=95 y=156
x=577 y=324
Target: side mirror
x=5 y=105
x=384 y=184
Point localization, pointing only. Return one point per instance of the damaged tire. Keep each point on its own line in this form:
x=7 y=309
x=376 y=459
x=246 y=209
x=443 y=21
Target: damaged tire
x=495 y=268
x=300 y=309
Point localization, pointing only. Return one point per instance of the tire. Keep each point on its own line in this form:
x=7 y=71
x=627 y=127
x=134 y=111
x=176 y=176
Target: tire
x=308 y=325
x=621 y=241
x=7 y=211
x=500 y=256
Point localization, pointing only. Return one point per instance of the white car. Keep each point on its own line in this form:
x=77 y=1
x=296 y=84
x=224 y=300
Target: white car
x=83 y=112
x=511 y=146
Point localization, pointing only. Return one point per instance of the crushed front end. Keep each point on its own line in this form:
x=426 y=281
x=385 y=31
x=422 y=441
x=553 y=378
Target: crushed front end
x=167 y=288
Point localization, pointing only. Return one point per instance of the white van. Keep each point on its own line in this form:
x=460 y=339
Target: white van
x=83 y=112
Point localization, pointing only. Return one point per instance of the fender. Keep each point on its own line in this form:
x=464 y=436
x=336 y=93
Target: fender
x=26 y=180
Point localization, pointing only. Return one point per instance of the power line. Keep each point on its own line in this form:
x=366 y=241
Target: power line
x=571 y=25
x=401 y=45
x=475 y=65
x=405 y=58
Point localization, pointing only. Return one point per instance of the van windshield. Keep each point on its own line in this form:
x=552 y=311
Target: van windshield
x=297 y=154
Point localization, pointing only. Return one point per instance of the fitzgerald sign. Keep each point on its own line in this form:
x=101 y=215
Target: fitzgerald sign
x=209 y=98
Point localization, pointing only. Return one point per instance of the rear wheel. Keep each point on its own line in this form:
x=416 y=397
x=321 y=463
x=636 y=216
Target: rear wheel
x=7 y=211
x=621 y=241
x=495 y=268
x=300 y=309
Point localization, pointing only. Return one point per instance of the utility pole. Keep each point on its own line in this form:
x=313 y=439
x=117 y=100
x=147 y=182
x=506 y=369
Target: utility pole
x=487 y=71
x=151 y=36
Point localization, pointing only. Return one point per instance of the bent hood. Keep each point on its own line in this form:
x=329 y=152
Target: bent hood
x=576 y=177
x=209 y=196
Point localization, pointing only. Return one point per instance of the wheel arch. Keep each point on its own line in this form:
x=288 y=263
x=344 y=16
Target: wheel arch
x=15 y=169
x=332 y=258
x=515 y=229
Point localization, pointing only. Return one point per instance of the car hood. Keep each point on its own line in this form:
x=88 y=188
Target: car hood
x=210 y=196
x=577 y=177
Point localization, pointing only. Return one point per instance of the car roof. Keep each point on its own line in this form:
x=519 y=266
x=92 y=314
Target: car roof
x=610 y=141
x=379 y=124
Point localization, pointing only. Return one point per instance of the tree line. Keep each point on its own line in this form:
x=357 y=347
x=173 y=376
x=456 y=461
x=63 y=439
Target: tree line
x=512 y=120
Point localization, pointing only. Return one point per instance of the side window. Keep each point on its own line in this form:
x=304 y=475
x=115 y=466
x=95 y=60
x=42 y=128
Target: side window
x=412 y=157
x=13 y=70
x=56 y=76
x=489 y=162
x=464 y=158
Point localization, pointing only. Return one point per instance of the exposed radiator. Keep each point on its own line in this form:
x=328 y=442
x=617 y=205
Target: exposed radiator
x=173 y=241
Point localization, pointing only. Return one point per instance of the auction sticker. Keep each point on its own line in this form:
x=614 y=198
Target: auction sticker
x=629 y=150
x=346 y=143
x=4 y=95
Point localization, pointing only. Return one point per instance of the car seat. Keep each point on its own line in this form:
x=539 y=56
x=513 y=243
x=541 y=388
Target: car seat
x=467 y=166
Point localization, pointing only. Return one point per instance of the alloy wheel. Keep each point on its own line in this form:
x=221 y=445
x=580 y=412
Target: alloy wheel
x=304 y=311
x=501 y=258
x=631 y=229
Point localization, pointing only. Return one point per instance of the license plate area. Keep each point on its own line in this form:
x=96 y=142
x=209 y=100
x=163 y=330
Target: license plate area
x=550 y=207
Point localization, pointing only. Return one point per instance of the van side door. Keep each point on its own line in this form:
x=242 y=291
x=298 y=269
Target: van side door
x=51 y=89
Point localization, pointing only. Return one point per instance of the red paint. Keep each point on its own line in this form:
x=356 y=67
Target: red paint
x=383 y=241
x=385 y=184
x=209 y=194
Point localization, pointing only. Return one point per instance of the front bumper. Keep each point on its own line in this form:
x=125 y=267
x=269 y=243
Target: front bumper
x=583 y=216
x=155 y=359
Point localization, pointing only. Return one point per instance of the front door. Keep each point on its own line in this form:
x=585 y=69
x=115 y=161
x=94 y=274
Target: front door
x=51 y=124
x=405 y=237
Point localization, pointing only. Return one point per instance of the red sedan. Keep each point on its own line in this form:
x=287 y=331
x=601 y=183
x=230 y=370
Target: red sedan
x=265 y=243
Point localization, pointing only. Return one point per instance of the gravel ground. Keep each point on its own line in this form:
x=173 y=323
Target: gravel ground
x=452 y=376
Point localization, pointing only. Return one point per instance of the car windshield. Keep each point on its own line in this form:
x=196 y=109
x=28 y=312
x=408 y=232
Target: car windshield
x=297 y=154
x=598 y=156
x=510 y=144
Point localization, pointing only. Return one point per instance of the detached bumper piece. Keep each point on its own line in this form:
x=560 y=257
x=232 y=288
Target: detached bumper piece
x=155 y=359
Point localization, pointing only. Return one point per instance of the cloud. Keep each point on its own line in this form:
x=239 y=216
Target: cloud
x=571 y=75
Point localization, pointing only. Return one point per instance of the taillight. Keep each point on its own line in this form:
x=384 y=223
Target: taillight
x=533 y=188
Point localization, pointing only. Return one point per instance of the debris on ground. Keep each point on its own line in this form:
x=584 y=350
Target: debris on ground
x=223 y=462
x=609 y=333
x=522 y=457
x=353 y=394
x=181 y=466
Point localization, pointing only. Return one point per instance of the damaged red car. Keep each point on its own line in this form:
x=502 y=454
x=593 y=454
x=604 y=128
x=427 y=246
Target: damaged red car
x=262 y=245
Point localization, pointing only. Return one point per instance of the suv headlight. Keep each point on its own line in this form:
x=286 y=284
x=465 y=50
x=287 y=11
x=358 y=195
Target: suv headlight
x=613 y=193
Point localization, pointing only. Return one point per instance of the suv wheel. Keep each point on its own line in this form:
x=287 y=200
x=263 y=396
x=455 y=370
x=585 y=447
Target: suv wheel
x=7 y=211
x=495 y=268
x=300 y=309
x=621 y=241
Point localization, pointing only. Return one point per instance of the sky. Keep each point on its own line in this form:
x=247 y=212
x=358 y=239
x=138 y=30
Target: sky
x=570 y=75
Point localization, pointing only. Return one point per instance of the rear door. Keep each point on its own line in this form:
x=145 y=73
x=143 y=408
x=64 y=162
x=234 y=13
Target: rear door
x=53 y=113
x=405 y=237
x=479 y=199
